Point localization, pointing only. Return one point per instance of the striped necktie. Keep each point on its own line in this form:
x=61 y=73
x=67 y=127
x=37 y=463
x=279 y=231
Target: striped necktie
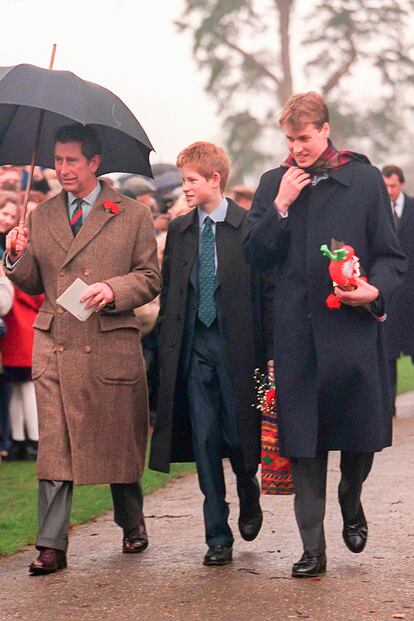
x=207 y=275
x=76 y=220
x=394 y=213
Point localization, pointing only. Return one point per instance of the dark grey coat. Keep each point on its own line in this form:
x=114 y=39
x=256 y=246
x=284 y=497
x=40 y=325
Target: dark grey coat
x=399 y=327
x=243 y=305
x=331 y=371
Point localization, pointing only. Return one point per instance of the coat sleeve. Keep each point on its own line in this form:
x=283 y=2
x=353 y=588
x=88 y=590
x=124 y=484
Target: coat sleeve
x=267 y=239
x=388 y=264
x=166 y=273
x=25 y=273
x=143 y=282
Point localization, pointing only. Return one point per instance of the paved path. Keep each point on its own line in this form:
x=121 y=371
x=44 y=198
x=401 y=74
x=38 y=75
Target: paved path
x=169 y=582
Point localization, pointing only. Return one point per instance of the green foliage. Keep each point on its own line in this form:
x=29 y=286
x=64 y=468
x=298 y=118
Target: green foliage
x=18 y=501
x=405 y=371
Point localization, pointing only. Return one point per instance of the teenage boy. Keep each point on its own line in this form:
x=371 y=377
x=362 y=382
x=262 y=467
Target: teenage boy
x=210 y=343
x=332 y=375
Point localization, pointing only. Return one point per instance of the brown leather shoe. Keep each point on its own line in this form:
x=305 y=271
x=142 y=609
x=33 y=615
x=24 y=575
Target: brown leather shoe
x=136 y=540
x=48 y=561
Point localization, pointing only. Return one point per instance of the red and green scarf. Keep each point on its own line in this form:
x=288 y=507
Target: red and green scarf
x=330 y=160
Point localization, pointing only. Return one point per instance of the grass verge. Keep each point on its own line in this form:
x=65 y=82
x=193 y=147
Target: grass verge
x=18 y=501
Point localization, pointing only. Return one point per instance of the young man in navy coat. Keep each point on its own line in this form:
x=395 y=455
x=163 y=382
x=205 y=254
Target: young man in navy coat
x=331 y=369
x=211 y=341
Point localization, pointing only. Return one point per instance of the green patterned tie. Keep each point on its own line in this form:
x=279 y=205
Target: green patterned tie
x=207 y=275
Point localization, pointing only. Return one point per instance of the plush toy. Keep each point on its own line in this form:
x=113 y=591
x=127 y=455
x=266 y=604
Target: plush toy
x=344 y=269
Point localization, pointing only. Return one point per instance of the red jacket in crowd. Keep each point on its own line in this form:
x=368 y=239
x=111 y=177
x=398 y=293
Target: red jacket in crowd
x=17 y=344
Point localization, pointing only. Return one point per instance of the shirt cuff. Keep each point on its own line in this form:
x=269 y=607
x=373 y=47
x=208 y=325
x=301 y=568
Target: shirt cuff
x=9 y=264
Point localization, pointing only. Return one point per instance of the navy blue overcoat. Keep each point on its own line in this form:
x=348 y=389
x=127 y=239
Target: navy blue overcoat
x=331 y=372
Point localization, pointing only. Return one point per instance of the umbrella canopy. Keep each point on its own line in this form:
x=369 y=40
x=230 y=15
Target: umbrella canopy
x=26 y=90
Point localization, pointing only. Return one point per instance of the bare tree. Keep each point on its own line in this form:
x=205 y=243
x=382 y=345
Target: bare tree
x=245 y=48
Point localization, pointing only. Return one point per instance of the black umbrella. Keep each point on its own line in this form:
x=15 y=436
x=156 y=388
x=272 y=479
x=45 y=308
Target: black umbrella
x=27 y=92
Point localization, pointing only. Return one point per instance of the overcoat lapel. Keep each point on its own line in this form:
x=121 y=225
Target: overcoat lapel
x=58 y=222
x=404 y=217
x=190 y=241
x=324 y=192
x=94 y=223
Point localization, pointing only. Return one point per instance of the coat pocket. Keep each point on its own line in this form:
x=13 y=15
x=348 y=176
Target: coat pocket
x=43 y=343
x=119 y=350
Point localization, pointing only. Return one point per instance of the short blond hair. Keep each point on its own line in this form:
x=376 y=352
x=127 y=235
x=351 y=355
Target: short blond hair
x=206 y=158
x=304 y=108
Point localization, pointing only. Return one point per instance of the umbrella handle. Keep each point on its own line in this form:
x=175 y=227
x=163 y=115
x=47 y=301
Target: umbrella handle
x=22 y=222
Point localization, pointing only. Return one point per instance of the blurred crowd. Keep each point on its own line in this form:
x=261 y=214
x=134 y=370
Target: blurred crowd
x=18 y=413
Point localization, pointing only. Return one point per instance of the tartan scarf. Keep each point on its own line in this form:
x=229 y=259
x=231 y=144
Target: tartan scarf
x=328 y=161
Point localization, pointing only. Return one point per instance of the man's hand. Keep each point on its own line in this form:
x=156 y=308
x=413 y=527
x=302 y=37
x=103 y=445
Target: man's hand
x=21 y=237
x=363 y=294
x=292 y=184
x=99 y=294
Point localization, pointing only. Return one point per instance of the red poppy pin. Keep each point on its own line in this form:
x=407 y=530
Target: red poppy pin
x=110 y=207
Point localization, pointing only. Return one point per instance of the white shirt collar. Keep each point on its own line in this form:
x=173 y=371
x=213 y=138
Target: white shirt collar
x=217 y=215
x=90 y=198
x=399 y=204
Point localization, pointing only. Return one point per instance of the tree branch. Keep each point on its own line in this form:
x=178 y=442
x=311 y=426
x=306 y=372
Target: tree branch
x=333 y=80
x=262 y=68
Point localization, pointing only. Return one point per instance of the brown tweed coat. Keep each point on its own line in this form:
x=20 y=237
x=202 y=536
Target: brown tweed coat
x=89 y=376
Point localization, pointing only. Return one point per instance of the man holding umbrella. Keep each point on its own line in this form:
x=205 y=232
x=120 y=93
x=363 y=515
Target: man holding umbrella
x=89 y=376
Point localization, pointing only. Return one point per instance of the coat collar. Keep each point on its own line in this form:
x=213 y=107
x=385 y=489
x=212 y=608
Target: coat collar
x=343 y=175
x=58 y=221
x=235 y=216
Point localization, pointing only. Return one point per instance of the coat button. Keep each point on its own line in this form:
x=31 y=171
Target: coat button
x=60 y=310
x=61 y=273
x=88 y=349
x=185 y=262
x=178 y=317
x=86 y=272
x=61 y=348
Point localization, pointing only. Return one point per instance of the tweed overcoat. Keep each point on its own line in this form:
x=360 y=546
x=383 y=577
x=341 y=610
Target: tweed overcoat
x=332 y=380
x=246 y=305
x=89 y=376
x=399 y=327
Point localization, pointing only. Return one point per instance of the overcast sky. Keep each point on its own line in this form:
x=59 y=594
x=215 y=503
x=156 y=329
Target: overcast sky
x=128 y=46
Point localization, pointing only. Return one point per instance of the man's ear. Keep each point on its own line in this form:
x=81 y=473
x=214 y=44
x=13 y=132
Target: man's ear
x=325 y=130
x=216 y=178
x=95 y=162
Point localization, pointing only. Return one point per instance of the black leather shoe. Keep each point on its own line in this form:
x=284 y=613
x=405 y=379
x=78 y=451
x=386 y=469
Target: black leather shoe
x=218 y=555
x=355 y=533
x=136 y=540
x=48 y=561
x=250 y=520
x=309 y=566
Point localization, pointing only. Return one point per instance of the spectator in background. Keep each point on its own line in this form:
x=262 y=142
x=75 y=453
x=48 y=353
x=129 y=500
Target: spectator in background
x=141 y=189
x=17 y=362
x=9 y=218
x=9 y=215
x=399 y=327
x=6 y=301
x=10 y=178
x=34 y=199
x=243 y=195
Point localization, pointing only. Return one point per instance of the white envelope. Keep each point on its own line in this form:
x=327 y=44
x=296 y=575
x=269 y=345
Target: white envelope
x=70 y=300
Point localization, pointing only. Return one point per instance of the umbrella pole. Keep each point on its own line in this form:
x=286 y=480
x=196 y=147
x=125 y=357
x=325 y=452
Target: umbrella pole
x=22 y=222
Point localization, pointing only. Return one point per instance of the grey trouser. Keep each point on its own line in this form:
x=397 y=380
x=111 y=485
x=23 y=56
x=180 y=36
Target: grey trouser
x=55 y=502
x=309 y=475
